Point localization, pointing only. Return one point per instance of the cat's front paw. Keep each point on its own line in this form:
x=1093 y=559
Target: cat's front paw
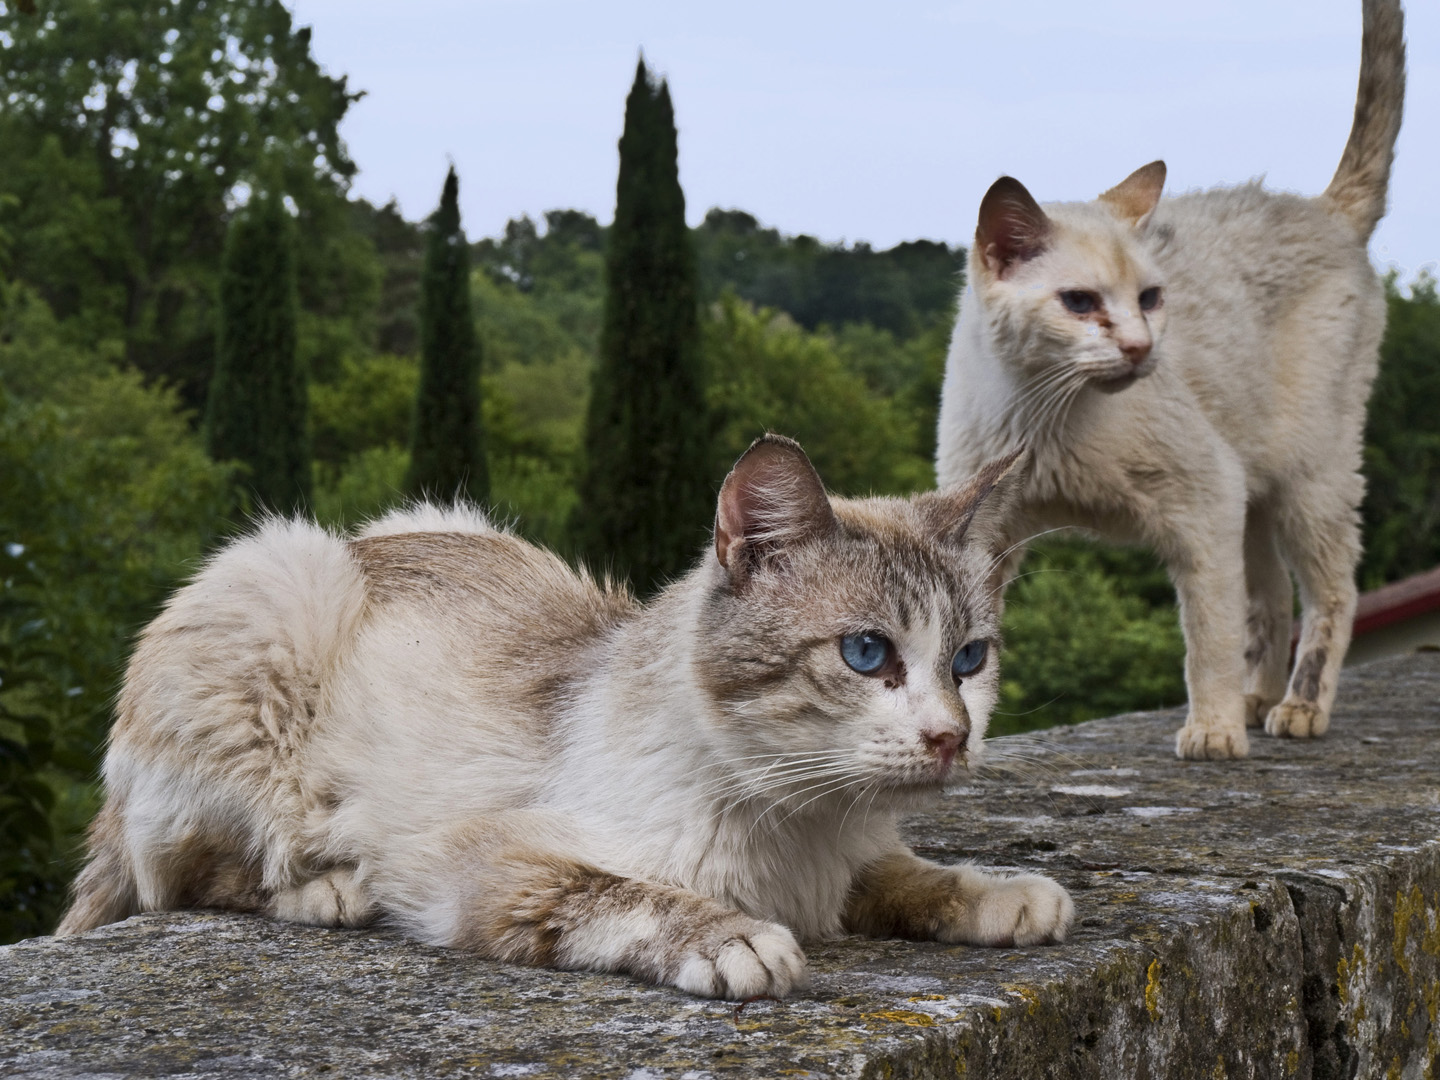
x=1297 y=720
x=1196 y=743
x=740 y=957
x=1019 y=909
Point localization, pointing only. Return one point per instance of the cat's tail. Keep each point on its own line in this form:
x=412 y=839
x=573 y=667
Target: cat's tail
x=1360 y=183
x=105 y=892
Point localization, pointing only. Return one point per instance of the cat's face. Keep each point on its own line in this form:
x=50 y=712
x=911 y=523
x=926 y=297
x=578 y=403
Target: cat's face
x=1073 y=294
x=851 y=646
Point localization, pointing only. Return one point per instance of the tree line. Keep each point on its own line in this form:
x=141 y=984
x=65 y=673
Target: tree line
x=175 y=219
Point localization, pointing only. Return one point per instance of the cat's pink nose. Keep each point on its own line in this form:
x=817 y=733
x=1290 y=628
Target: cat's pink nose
x=944 y=744
x=1135 y=351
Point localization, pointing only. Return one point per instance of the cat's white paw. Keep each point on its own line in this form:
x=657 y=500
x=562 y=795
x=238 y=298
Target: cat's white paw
x=1257 y=707
x=1297 y=720
x=1018 y=909
x=1196 y=743
x=334 y=898
x=742 y=957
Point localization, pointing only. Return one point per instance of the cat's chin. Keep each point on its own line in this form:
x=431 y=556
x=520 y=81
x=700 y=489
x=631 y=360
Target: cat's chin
x=1113 y=384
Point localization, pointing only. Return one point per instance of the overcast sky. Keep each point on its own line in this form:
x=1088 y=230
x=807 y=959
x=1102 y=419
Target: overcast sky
x=869 y=121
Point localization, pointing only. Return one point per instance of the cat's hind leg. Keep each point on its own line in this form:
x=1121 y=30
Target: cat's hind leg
x=1320 y=536
x=517 y=888
x=902 y=895
x=1268 y=619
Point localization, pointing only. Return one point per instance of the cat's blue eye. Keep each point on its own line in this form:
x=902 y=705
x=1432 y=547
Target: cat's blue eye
x=1150 y=298
x=970 y=658
x=867 y=653
x=1078 y=302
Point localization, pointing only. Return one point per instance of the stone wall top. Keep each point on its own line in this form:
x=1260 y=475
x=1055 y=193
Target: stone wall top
x=1273 y=917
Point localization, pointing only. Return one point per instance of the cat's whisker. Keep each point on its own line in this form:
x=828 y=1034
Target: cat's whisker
x=839 y=785
x=750 y=788
x=1018 y=577
x=779 y=783
x=835 y=781
x=1044 y=423
x=750 y=791
x=1039 y=386
x=983 y=581
x=1029 y=405
x=1027 y=712
x=783 y=769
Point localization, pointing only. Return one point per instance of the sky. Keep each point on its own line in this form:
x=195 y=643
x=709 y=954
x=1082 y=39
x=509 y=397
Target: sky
x=869 y=121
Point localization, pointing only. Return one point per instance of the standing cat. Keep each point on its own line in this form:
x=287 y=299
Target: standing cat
x=443 y=726
x=1191 y=374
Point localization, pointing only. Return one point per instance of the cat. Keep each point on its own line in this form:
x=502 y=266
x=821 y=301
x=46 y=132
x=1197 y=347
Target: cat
x=1191 y=374
x=442 y=726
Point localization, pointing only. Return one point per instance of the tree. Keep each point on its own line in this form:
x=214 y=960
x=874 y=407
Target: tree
x=1402 y=445
x=770 y=374
x=124 y=130
x=106 y=499
x=645 y=500
x=447 y=456
x=257 y=409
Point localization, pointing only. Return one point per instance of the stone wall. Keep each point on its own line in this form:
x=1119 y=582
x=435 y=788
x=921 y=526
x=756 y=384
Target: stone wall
x=1274 y=917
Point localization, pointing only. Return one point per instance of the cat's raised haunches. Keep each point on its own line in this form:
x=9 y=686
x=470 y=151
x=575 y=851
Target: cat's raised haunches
x=442 y=726
x=1191 y=374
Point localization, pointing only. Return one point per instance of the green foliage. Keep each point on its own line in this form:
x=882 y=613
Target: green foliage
x=902 y=290
x=257 y=412
x=644 y=502
x=1089 y=631
x=125 y=130
x=447 y=454
x=30 y=889
x=772 y=375
x=106 y=500
x=1402 y=442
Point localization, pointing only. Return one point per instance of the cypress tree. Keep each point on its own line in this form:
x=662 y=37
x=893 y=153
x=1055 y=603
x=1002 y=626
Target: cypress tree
x=256 y=411
x=447 y=456
x=646 y=498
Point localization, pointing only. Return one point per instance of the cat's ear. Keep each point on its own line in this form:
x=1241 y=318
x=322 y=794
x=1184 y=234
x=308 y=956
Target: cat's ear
x=1134 y=199
x=772 y=499
x=980 y=511
x=1012 y=227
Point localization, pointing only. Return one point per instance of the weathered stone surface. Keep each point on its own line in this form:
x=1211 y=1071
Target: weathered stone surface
x=1275 y=917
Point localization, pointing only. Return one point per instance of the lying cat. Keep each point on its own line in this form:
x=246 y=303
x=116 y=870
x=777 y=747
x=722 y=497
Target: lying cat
x=442 y=726
x=1191 y=374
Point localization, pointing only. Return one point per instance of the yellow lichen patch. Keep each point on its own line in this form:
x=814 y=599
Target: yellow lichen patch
x=1408 y=907
x=1430 y=942
x=1218 y=1073
x=1347 y=973
x=1292 y=1063
x=927 y=997
x=1124 y=897
x=901 y=1016
x=1396 y=1070
x=1152 y=990
x=1029 y=994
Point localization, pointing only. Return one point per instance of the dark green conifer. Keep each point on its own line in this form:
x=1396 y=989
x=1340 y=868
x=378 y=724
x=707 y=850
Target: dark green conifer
x=447 y=454
x=646 y=498
x=256 y=411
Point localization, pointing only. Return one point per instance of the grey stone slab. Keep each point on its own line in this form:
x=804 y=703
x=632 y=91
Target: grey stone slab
x=1274 y=917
